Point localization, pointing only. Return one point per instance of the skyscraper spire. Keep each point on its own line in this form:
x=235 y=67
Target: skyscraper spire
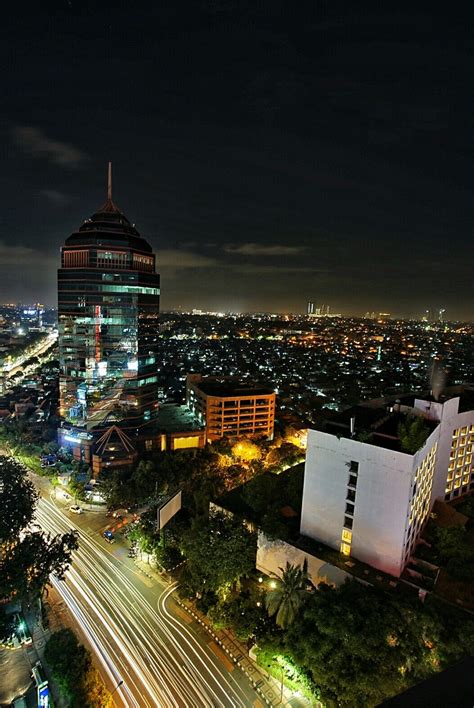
x=109 y=183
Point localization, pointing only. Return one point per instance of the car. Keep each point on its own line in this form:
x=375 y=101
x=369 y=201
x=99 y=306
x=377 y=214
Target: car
x=75 y=509
x=109 y=537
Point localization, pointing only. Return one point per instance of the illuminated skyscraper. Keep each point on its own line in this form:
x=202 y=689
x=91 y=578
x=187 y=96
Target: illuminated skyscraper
x=108 y=308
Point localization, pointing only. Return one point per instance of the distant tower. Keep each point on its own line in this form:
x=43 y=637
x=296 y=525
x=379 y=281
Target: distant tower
x=310 y=310
x=441 y=315
x=108 y=305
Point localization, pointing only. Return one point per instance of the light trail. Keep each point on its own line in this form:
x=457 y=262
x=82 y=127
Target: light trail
x=161 y=661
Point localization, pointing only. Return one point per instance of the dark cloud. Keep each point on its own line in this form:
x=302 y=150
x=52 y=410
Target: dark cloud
x=272 y=152
x=34 y=142
x=55 y=197
x=260 y=249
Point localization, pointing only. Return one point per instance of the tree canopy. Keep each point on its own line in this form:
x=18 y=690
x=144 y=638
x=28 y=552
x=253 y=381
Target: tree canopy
x=220 y=550
x=27 y=555
x=413 y=433
x=345 y=637
x=79 y=682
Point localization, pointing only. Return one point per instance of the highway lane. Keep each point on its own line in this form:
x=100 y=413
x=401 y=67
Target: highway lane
x=135 y=634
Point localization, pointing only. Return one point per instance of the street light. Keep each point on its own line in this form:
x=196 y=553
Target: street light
x=117 y=686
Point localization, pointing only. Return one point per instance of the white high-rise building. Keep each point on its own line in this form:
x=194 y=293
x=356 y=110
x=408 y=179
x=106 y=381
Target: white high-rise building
x=365 y=497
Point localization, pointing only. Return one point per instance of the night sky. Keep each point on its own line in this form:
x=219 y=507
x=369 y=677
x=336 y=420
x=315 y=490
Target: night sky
x=272 y=152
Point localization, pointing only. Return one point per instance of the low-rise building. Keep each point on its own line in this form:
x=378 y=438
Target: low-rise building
x=179 y=428
x=231 y=409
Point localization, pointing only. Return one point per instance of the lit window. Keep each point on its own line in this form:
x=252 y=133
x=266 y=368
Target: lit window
x=345 y=549
x=346 y=535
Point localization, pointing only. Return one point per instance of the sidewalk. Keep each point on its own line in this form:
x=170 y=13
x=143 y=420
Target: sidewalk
x=265 y=685
x=268 y=688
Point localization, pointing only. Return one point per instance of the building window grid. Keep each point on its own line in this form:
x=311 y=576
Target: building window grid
x=420 y=502
x=460 y=460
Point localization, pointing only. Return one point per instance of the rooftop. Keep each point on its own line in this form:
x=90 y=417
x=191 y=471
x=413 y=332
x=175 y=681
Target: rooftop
x=173 y=418
x=225 y=388
x=377 y=421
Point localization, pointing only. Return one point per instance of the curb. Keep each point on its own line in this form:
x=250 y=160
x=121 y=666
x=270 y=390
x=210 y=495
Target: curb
x=255 y=684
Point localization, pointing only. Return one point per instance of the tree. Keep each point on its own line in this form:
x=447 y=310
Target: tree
x=243 y=614
x=220 y=551
x=413 y=433
x=348 y=635
x=286 y=599
x=18 y=499
x=79 y=682
x=246 y=451
x=27 y=556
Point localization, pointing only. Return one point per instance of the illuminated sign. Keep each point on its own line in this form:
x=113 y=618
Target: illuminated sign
x=43 y=695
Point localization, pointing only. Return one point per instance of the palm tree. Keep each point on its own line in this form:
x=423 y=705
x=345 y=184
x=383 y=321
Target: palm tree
x=285 y=600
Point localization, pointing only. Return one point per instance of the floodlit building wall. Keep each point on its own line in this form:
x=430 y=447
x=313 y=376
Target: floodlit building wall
x=371 y=502
x=365 y=500
x=273 y=555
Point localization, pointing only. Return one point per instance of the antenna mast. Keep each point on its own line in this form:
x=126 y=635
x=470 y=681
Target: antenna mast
x=109 y=183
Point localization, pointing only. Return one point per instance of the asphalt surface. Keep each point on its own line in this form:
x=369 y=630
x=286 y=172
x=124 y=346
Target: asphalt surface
x=137 y=631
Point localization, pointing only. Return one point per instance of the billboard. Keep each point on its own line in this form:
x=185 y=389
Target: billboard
x=168 y=509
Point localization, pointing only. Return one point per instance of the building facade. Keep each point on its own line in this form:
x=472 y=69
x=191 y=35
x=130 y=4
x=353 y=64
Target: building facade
x=108 y=308
x=230 y=409
x=369 y=500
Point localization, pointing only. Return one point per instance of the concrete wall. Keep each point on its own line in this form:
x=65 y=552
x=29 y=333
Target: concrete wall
x=273 y=555
x=383 y=491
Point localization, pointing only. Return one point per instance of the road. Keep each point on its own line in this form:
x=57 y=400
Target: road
x=10 y=369
x=137 y=631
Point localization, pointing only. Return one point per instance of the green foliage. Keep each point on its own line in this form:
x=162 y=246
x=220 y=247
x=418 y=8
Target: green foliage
x=267 y=494
x=242 y=615
x=220 y=551
x=289 y=595
x=412 y=433
x=345 y=637
x=27 y=557
x=18 y=498
x=281 y=666
x=449 y=548
x=77 y=489
x=78 y=681
x=167 y=556
x=467 y=508
x=462 y=568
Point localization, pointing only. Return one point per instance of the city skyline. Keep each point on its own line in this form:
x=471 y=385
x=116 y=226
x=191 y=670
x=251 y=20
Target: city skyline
x=290 y=167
